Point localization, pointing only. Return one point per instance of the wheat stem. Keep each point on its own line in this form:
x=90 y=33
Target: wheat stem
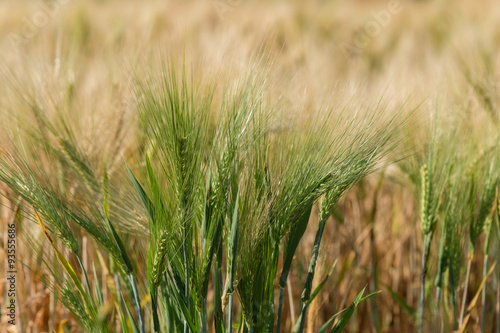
x=230 y=315
x=438 y=299
x=442 y=260
x=421 y=302
x=154 y=308
x=373 y=251
x=84 y=273
x=306 y=294
x=466 y=288
x=218 y=316
x=137 y=302
x=118 y=292
x=280 y=309
x=186 y=276
x=203 y=316
x=483 y=293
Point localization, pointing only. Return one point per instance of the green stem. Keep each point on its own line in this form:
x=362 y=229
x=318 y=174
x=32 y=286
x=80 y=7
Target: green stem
x=421 y=302
x=306 y=293
x=230 y=315
x=373 y=279
x=204 y=317
x=441 y=268
x=438 y=299
x=118 y=292
x=302 y=316
x=464 y=297
x=485 y=271
x=154 y=308
x=186 y=276
x=218 y=316
x=84 y=272
x=137 y=302
x=280 y=309
x=453 y=296
x=437 y=310
x=483 y=293
x=374 y=271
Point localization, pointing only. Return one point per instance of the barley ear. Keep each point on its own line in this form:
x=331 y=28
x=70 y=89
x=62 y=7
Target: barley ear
x=426 y=218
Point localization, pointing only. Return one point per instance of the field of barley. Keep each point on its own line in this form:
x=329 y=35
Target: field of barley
x=249 y=166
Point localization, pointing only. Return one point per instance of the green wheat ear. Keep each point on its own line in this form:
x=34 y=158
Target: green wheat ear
x=426 y=218
x=487 y=203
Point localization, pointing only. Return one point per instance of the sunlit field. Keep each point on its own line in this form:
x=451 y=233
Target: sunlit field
x=249 y=166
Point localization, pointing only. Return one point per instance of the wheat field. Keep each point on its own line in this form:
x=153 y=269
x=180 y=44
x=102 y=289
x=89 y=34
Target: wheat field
x=237 y=166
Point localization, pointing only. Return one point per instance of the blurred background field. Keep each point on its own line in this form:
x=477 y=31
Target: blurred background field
x=435 y=56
